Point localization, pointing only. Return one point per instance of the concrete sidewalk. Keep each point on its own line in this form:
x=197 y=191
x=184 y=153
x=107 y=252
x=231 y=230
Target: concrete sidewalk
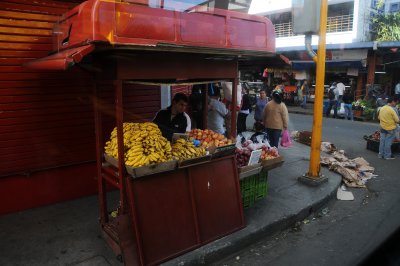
x=68 y=233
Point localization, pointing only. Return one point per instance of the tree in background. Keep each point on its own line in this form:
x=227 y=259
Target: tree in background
x=386 y=26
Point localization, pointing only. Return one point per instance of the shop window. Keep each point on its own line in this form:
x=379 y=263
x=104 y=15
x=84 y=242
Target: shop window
x=395 y=7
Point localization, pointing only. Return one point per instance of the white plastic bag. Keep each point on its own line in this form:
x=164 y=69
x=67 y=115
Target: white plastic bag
x=227 y=89
x=340 y=110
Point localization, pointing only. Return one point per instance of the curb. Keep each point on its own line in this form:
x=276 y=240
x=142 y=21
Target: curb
x=221 y=248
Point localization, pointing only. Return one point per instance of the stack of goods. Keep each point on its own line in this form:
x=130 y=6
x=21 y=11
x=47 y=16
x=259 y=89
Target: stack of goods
x=209 y=138
x=374 y=139
x=143 y=145
x=183 y=150
x=242 y=156
x=243 y=153
x=377 y=136
x=269 y=153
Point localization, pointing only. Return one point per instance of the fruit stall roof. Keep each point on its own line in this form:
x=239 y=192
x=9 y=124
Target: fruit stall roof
x=130 y=26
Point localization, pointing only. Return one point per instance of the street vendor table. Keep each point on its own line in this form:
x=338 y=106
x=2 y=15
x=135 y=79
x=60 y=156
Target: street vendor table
x=183 y=209
x=126 y=43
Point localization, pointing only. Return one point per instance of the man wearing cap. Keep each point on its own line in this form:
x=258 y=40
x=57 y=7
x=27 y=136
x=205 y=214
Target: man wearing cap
x=388 y=120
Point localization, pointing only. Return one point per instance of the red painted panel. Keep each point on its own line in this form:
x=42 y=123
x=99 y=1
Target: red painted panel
x=145 y=23
x=241 y=36
x=164 y=214
x=218 y=200
x=97 y=20
x=203 y=28
x=42 y=188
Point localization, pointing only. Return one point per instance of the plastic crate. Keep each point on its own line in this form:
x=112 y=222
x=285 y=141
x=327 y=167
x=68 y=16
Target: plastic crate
x=253 y=188
x=261 y=186
x=373 y=145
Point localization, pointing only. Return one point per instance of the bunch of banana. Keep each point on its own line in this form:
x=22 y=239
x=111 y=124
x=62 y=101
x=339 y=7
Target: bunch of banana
x=143 y=144
x=111 y=147
x=183 y=150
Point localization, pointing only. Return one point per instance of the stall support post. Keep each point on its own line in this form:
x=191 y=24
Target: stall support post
x=99 y=152
x=119 y=111
x=313 y=177
x=204 y=116
x=233 y=132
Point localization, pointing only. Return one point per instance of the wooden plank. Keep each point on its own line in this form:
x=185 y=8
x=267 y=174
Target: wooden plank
x=36 y=75
x=20 y=128
x=21 y=69
x=27 y=39
x=26 y=31
x=14 y=61
x=26 y=24
x=48 y=3
x=78 y=81
x=50 y=124
x=26 y=46
x=45 y=98
x=45 y=159
x=38 y=112
x=30 y=145
x=45 y=90
x=45 y=118
x=28 y=16
x=28 y=165
x=23 y=54
x=39 y=132
x=32 y=9
x=37 y=105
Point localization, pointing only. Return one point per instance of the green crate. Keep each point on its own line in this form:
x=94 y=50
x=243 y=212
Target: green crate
x=253 y=188
x=261 y=185
x=247 y=186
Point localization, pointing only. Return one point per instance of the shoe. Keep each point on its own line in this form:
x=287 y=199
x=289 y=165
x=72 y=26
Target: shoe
x=380 y=156
x=389 y=158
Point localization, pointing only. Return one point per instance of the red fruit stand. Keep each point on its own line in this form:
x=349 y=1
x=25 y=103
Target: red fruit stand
x=127 y=43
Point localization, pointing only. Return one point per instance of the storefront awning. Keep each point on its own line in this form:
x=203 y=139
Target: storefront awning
x=61 y=60
x=302 y=64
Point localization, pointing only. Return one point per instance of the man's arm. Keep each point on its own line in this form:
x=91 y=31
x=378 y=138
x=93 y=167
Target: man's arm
x=188 y=122
x=285 y=116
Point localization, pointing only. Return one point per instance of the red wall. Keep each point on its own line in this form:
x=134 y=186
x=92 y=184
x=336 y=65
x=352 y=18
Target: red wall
x=47 y=141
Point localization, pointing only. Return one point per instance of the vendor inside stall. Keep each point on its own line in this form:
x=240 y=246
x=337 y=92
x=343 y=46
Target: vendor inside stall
x=173 y=119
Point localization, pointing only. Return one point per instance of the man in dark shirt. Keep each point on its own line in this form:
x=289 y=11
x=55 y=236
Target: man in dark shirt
x=174 y=119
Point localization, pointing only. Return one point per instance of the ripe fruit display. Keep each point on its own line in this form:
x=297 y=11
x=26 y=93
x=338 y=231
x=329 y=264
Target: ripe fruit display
x=208 y=138
x=183 y=150
x=269 y=153
x=242 y=156
x=143 y=144
x=377 y=136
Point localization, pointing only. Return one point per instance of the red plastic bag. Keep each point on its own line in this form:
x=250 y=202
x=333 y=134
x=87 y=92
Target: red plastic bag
x=285 y=140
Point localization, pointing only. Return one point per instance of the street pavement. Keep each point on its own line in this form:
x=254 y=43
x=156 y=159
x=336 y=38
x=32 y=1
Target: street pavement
x=348 y=231
x=294 y=224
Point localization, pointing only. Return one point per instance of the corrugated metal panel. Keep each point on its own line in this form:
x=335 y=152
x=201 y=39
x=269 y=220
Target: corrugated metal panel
x=46 y=118
x=185 y=89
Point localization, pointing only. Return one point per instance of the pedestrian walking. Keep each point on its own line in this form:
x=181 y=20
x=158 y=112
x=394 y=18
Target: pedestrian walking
x=340 y=91
x=305 y=89
x=397 y=90
x=348 y=104
x=260 y=105
x=276 y=117
x=244 y=111
x=388 y=120
x=216 y=112
x=332 y=96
